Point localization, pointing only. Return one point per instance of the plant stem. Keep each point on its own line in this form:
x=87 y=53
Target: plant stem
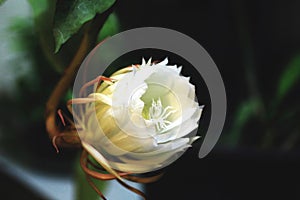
x=87 y=43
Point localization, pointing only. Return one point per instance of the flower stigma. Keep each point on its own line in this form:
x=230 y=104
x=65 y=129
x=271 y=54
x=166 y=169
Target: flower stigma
x=158 y=115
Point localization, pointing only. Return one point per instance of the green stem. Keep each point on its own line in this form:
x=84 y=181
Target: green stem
x=83 y=188
x=87 y=43
x=248 y=55
x=250 y=73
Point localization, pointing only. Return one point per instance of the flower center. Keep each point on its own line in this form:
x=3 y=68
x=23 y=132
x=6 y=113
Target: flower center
x=159 y=115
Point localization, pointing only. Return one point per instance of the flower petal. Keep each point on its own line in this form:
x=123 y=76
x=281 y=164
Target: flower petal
x=166 y=154
x=100 y=159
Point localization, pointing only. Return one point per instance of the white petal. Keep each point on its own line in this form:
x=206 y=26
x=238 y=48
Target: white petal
x=174 y=68
x=164 y=62
x=143 y=61
x=149 y=61
x=162 y=148
x=139 y=167
x=162 y=157
x=181 y=127
x=100 y=159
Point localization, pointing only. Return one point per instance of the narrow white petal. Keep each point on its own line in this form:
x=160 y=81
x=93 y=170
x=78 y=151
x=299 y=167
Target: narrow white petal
x=139 y=167
x=149 y=62
x=100 y=159
x=162 y=148
x=153 y=162
x=143 y=62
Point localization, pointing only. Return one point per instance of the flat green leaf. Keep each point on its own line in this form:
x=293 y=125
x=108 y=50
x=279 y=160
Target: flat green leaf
x=110 y=27
x=70 y=15
x=289 y=78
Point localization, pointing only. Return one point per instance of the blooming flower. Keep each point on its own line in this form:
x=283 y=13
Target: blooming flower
x=139 y=119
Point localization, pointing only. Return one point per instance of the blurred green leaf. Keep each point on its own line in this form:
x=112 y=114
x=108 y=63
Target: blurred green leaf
x=110 y=27
x=2 y=1
x=39 y=7
x=22 y=29
x=243 y=114
x=70 y=15
x=43 y=13
x=289 y=77
x=68 y=95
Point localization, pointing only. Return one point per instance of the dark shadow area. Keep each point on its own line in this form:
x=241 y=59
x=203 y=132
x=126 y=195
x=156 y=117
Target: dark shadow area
x=230 y=175
x=13 y=189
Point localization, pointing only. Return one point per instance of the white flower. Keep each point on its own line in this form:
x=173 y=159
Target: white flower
x=140 y=119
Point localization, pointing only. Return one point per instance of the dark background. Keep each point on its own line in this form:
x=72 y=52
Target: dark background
x=253 y=43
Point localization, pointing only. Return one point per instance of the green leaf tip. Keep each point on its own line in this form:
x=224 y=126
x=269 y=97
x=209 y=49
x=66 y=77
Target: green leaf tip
x=70 y=15
x=289 y=77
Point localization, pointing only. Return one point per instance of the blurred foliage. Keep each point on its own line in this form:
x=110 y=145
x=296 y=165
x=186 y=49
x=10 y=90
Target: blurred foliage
x=245 y=111
x=70 y=15
x=43 y=14
x=290 y=78
x=267 y=119
x=22 y=114
x=277 y=126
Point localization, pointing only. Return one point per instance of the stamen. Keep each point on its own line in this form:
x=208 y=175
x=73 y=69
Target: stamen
x=159 y=115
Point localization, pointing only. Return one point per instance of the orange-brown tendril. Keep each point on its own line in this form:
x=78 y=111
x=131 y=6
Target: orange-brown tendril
x=68 y=137
x=88 y=41
x=98 y=173
x=92 y=184
x=92 y=82
x=91 y=169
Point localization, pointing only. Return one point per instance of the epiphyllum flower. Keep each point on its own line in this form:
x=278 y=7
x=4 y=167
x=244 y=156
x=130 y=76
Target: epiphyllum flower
x=139 y=119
